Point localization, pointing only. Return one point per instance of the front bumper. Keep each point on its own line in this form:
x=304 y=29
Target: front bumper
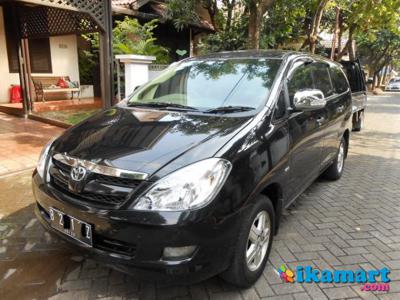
x=133 y=242
x=392 y=89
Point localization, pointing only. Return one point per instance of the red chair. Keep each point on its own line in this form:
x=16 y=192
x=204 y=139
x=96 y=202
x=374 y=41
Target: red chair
x=15 y=94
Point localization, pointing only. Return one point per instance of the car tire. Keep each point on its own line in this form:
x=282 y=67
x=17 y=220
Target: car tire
x=358 y=123
x=245 y=270
x=335 y=170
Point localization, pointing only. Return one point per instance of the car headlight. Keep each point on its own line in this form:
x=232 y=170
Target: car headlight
x=191 y=187
x=43 y=158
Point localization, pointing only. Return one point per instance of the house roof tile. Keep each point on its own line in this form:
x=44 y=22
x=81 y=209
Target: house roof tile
x=159 y=8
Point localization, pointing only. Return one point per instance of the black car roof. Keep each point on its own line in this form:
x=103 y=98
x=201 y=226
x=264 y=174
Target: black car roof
x=273 y=54
x=280 y=54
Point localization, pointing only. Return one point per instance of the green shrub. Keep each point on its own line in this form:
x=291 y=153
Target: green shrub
x=130 y=37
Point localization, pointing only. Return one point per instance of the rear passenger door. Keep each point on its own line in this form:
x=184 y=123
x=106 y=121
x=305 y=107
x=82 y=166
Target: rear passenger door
x=328 y=126
x=338 y=101
x=306 y=138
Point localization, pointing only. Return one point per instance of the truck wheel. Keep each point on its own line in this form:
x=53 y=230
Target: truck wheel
x=335 y=170
x=358 y=123
x=254 y=244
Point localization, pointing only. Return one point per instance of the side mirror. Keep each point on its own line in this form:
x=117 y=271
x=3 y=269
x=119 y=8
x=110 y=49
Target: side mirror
x=309 y=99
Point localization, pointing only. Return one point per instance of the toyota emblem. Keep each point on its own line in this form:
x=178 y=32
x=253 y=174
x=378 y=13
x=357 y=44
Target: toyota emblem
x=78 y=173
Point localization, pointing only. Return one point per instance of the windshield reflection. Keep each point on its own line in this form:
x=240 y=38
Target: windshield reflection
x=210 y=84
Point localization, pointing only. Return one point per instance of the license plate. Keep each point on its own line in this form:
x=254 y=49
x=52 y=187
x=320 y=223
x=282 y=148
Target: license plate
x=73 y=227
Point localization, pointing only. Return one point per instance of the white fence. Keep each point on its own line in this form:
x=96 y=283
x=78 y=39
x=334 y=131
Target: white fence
x=136 y=70
x=155 y=69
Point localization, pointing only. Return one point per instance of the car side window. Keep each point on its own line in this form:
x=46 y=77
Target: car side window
x=322 y=78
x=339 y=80
x=280 y=107
x=355 y=75
x=301 y=79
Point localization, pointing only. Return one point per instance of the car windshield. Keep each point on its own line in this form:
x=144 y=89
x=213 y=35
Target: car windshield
x=210 y=85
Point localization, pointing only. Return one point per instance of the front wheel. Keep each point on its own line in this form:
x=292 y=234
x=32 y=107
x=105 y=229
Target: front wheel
x=335 y=170
x=253 y=245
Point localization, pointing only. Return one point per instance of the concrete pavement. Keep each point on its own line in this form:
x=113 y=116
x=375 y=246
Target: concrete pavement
x=21 y=142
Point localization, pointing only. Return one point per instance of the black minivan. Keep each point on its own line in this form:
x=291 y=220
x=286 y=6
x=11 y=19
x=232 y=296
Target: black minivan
x=187 y=178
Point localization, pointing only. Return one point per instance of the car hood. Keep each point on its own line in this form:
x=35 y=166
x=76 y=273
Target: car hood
x=145 y=140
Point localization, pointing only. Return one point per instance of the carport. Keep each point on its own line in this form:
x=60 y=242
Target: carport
x=46 y=18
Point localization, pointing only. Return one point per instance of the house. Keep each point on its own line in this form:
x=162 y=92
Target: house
x=166 y=34
x=54 y=55
x=51 y=36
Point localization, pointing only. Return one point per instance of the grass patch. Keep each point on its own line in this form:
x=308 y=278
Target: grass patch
x=68 y=116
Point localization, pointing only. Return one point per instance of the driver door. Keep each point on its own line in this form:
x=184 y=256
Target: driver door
x=306 y=137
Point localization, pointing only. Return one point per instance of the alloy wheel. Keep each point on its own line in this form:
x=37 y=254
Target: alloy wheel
x=340 y=158
x=258 y=241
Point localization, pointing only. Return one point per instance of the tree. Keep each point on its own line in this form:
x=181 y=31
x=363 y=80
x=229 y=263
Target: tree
x=231 y=22
x=379 y=49
x=212 y=8
x=365 y=16
x=229 y=6
x=257 y=10
x=182 y=13
x=315 y=25
x=286 y=24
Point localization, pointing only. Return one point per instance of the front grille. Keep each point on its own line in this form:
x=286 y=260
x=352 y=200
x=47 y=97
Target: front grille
x=61 y=166
x=116 y=180
x=98 y=189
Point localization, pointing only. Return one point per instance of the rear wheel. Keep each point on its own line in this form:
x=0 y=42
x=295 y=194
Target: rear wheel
x=253 y=245
x=335 y=170
x=358 y=121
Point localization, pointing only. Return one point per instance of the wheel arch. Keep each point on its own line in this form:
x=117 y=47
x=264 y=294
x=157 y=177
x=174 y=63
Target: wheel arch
x=274 y=192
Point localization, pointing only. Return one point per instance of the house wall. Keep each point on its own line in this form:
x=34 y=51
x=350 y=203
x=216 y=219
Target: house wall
x=64 y=59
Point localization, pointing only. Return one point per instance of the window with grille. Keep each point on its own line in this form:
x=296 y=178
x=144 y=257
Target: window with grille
x=39 y=48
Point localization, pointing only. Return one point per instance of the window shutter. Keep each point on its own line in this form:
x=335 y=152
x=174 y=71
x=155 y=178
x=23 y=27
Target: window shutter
x=40 y=55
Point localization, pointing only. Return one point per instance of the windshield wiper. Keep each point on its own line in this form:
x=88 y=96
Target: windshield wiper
x=164 y=105
x=229 y=109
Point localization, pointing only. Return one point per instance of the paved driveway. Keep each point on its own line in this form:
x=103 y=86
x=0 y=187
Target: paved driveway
x=350 y=224
x=21 y=142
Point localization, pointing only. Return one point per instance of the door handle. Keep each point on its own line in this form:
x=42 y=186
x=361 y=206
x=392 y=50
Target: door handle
x=320 y=120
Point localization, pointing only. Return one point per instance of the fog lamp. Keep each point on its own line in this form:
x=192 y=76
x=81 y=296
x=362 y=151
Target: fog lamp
x=173 y=253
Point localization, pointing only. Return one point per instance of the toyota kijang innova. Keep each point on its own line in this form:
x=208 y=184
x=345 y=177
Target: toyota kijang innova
x=188 y=176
